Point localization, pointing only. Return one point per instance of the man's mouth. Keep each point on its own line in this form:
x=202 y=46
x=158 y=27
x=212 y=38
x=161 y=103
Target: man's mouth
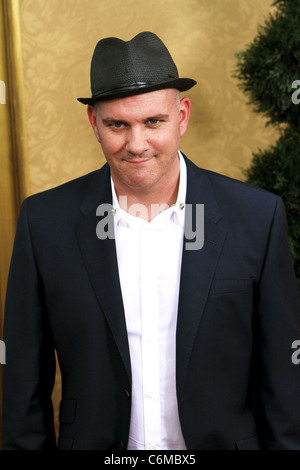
x=138 y=161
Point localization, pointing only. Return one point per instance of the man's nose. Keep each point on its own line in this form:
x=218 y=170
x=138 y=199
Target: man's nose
x=136 y=141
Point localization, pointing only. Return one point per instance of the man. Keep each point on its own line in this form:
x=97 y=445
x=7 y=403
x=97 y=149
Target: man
x=163 y=342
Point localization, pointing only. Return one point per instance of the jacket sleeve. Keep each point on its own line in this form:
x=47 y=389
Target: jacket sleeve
x=278 y=325
x=29 y=372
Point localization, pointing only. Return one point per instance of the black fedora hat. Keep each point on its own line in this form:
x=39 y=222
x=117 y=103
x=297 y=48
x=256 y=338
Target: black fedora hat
x=124 y=68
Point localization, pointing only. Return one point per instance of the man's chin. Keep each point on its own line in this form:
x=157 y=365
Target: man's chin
x=139 y=185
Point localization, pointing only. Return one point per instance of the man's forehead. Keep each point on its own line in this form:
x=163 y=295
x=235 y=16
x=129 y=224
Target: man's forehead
x=156 y=101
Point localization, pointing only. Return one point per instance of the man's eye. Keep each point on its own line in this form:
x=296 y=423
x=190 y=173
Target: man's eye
x=118 y=124
x=153 y=122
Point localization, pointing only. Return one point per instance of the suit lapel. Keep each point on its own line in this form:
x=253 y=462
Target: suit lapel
x=101 y=261
x=198 y=268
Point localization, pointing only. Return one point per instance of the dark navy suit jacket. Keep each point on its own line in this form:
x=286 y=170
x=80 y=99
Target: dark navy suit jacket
x=238 y=315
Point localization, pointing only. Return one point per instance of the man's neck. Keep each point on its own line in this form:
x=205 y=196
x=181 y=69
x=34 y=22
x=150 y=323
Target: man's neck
x=149 y=202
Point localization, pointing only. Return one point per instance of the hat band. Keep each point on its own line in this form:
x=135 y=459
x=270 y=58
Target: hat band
x=132 y=86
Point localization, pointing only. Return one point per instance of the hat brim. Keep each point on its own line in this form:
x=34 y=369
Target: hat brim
x=182 y=84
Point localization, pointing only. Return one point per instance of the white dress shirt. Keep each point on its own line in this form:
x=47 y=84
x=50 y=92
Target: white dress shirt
x=149 y=260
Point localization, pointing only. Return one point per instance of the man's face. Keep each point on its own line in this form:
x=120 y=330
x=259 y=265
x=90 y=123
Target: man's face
x=140 y=136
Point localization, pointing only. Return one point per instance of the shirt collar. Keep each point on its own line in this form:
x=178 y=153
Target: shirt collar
x=177 y=210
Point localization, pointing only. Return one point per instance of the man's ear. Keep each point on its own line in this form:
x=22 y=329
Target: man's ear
x=92 y=118
x=184 y=114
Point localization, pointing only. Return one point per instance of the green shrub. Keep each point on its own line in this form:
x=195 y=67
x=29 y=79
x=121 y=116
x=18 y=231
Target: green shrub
x=266 y=71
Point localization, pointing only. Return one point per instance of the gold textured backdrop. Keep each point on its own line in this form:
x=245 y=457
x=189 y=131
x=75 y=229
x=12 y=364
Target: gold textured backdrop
x=58 y=39
x=14 y=175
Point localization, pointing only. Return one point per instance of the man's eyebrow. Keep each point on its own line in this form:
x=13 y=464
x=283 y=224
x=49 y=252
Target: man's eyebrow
x=158 y=117
x=110 y=119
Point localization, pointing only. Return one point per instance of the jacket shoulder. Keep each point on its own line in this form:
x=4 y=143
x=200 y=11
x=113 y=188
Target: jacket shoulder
x=68 y=196
x=73 y=188
x=228 y=190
